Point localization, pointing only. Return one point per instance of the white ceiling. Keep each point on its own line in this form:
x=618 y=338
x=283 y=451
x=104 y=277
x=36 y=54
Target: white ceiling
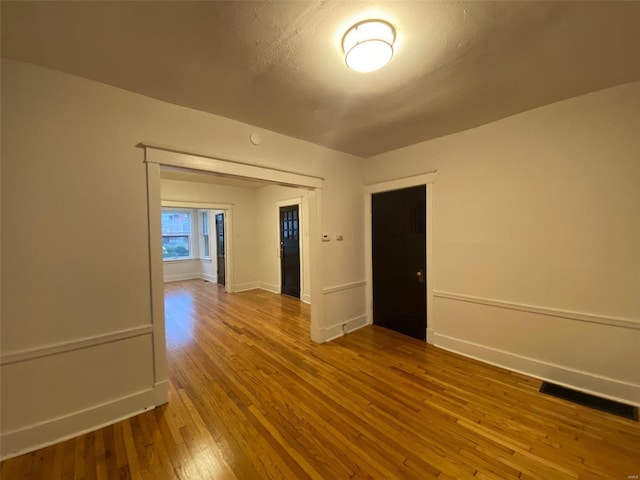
x=278 y=65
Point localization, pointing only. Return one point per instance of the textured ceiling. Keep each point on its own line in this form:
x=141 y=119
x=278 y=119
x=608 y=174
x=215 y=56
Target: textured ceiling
x=279 y=65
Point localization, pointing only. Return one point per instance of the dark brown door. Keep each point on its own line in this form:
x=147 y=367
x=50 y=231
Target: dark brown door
x=220 y=247
x=290 y=250
x=398 y=237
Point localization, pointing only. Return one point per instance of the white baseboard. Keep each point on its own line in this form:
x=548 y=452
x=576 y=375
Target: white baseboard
x=182 y=276
x=161 y=392
x=270 y=287
x=243 y=287
x=340 y=329
x=584 y=381
x=275 y=288
x=43 y=434
x=542 y=310
x=191 y=276
x=431 y=336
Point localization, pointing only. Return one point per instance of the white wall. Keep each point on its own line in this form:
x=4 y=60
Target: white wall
x=536 y=223
x=75 y=252
x=175 y=270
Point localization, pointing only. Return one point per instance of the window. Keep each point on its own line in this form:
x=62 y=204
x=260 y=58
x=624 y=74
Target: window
x=204 y=235
x=176 y=234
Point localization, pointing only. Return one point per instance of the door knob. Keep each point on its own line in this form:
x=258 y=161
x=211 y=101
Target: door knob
x=420 y=276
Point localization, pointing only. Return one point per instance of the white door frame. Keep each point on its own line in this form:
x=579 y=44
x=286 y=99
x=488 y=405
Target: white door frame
x=303 y=227
x=428 y=180
x=155 y=156
x=227 y=238
x=228 y=231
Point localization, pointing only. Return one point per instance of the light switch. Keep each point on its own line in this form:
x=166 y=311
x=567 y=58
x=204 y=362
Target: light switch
x=326 y=237
x=339 y=237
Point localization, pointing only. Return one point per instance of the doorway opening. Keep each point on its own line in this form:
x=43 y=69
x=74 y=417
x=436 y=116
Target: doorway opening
x=398 y=240
x=220 y=249
x=293 y=247
x=398 y=255
x=160 y=157
x=289 y=228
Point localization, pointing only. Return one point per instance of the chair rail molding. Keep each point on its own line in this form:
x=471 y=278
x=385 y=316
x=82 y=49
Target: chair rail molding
x=8 y=358
x=552 y=312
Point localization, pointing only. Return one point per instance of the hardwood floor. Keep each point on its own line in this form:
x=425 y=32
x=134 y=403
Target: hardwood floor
x=253 y=398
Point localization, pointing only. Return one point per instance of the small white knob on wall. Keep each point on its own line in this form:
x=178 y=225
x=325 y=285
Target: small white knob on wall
x=256 y=138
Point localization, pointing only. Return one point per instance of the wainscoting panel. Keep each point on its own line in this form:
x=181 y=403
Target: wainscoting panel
x=59 y=392
x=63 y=347
x=344 y=309
x=598 y=355
x=61 y=428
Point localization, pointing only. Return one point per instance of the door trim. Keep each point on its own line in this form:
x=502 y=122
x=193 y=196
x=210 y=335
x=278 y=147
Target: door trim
x=427 y=179
x=304 y=228
x=178 y=158
x=226 y=238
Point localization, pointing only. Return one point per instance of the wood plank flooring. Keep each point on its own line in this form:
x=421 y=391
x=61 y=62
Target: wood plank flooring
x=252 y=397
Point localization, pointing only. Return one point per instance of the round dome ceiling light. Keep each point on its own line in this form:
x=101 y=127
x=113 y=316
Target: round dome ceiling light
x=368 y=45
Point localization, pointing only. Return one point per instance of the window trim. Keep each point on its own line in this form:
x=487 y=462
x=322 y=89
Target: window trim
x=201 y=235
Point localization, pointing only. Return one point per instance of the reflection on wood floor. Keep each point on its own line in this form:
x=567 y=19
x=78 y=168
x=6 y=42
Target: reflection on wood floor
x=252 y=398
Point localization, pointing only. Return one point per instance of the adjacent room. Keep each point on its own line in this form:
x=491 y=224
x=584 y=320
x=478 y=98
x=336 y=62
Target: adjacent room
x=250 y=244
x=324 y=240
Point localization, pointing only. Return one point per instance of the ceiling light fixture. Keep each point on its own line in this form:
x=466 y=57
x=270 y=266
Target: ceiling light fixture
x=368 y=45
